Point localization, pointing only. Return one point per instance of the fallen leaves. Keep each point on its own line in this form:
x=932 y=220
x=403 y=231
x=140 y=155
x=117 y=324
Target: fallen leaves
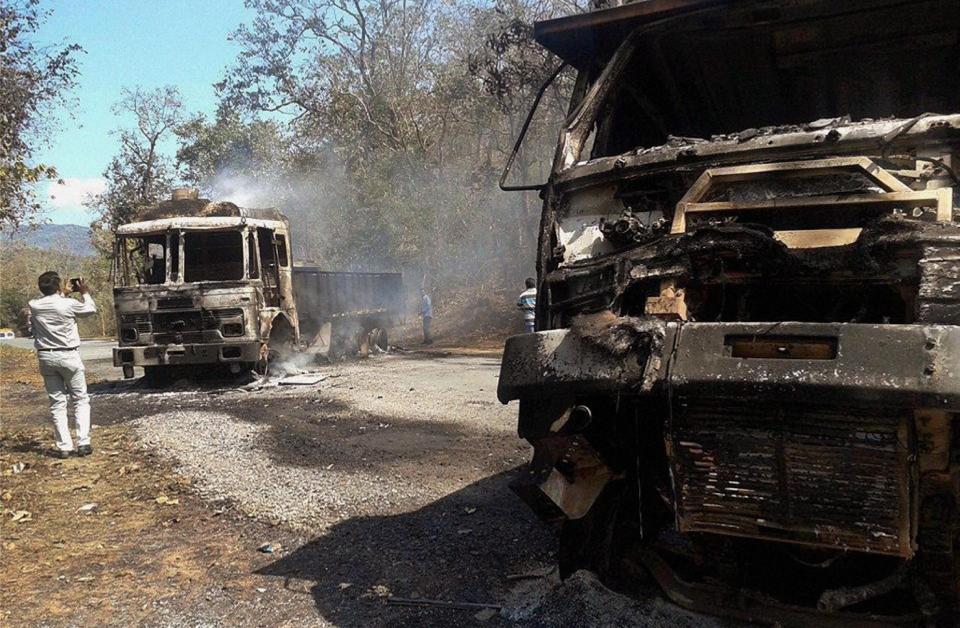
x=15 y=468
x=128 y=469
x=22 y=516
x=376 y=591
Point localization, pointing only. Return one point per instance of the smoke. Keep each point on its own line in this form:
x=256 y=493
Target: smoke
x=450 y=230
x=241 y=190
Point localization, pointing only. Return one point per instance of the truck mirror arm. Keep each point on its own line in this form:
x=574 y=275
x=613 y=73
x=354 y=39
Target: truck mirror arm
x=523 y=134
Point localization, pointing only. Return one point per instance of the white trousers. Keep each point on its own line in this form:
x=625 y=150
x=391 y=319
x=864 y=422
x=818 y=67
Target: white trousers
x=63 y=375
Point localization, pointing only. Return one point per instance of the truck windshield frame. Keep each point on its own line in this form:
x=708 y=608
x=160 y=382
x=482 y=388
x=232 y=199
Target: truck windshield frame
x=213 y=255
x=166 y=258
x=144 y=259
x=639 y=100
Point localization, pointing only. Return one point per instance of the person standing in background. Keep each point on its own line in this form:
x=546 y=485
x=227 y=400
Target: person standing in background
x=57 y=341
x=426 y=312
x=528 y=303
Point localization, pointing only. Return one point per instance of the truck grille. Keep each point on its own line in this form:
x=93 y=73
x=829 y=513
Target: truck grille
x=805 y=475
x=225 y=313
x=174 y=303
x=188 y=326
x=188 y=337
x=141 y=321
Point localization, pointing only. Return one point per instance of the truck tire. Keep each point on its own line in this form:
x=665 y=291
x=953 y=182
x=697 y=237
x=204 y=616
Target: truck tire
x=586 y=543
x=279 y=346
x=939 y=554
x=156 y=376
x=378 y=338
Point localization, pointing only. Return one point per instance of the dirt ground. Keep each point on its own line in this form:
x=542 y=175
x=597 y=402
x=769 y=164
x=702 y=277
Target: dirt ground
x=135 y=535
x=286 y=505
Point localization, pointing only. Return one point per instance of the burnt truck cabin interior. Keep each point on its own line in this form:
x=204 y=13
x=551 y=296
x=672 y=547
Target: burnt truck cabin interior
x=725 y=66
x=212 y=255
x=208 y=255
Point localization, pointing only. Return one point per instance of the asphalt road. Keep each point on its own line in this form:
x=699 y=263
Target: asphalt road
x=89 y=349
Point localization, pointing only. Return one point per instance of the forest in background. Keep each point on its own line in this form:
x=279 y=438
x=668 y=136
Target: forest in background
x=379 y=127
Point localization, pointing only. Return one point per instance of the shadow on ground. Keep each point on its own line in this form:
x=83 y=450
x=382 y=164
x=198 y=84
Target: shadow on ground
x=461 y=547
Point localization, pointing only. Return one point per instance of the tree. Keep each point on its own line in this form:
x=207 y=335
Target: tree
x=20 y=265
x=212 y=153
x=357 y=72
x=140 y=174
x=419 y=103
x=33 y=80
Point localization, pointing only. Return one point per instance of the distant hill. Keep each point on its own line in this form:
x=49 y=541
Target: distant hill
x=72 y=238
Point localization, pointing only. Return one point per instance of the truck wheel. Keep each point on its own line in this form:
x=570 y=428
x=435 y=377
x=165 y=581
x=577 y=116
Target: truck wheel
x=278 y=348
x=156 y=376
x=378 y=338
x=586 y=543
x=939 y=553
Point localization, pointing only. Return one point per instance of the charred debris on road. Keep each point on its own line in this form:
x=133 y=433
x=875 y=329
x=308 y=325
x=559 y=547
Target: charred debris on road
x=746 y=376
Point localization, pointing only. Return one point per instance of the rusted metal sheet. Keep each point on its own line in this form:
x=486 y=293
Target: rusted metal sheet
x=324 y=295
x=875 y=365
x=197 y=223
x=560 y=362
x=794 y=473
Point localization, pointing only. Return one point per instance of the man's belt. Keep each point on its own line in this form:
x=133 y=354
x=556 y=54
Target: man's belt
x=59 y=349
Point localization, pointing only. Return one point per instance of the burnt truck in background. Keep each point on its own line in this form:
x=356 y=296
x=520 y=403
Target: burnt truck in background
x=746 y=374
x=199 y=282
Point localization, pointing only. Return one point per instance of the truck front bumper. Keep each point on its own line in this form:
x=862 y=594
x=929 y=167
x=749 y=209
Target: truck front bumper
x=172 y=355
x=867 y=365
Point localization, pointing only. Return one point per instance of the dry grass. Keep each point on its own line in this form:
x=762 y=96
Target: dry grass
x=63 y=564
x=146 y=537
x=18 y=367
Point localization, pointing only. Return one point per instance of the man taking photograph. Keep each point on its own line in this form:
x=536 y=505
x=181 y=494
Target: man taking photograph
x=57 y=341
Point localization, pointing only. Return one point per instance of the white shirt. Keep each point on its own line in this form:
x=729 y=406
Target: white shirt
x=54 y=320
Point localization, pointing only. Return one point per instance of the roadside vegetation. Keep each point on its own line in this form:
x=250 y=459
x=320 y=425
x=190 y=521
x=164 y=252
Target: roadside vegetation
x=379 y=128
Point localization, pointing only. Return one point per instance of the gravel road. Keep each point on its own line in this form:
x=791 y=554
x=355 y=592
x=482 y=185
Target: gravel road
x=389 y=477
x=381 y=436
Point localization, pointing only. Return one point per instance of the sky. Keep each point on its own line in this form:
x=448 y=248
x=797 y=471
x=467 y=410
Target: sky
x=127 y=43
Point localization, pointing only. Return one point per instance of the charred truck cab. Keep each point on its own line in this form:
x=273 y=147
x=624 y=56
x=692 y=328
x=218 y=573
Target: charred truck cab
x=197 y=282
x=747 y=370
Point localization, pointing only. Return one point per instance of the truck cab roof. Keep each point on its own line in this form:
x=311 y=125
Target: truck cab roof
x=198 y=223
x=706 y=67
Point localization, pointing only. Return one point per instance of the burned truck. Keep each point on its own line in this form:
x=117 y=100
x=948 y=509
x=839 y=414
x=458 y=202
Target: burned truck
x=210 y=283
x=746 y=374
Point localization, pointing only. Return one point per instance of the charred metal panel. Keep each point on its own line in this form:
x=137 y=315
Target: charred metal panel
x=562 y=361
x=875 y=365
x=938 y=299
x=323 y=296
x=802 y=474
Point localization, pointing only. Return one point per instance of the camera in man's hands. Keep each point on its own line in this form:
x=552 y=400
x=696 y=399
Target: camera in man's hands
x=75 y=284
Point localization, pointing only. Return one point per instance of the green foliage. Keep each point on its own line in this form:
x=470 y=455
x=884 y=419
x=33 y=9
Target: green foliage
x=419 y=102
x=20 y=266
x=32 y=81
x=140 y=174
x=379 y=128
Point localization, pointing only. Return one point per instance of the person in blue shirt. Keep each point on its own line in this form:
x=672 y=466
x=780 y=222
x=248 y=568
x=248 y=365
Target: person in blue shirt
x=528 y=303
x=426 y=312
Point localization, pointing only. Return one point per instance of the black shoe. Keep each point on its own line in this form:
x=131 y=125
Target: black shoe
x=84 y=450
x=61 y=453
